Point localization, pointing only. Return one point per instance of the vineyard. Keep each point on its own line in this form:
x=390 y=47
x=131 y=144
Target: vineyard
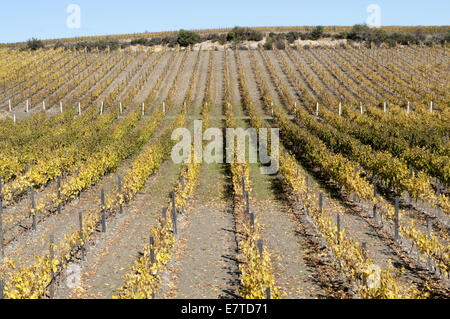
x=92 y=205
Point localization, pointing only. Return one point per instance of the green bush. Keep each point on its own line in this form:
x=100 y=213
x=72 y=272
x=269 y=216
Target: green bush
x=269 y=43
x=304 y=36
x=447 y=36
x=186 y=38
x=101 y=45
x=239 y=34
x=34 y=44
x=292 y=36
x=317 y=33
x=211 y=37
x=403 y=38
x=141 y=41
x=255 y=36
x=377 y=36
x=358 y=32
x=361 y=32
x=154 y=41
x=171 y=41
x=58 y=45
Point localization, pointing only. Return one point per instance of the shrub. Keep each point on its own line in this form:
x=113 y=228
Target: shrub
x=113 y=45
x=104 y=44
x=239 y=34
x=317 y=33
x=269 y=43
x=58 y=45
x=34 y=44
x=420 y=37
x=100 y=45
x=292 y=36
x=447 y=36
x=141 y=41
x=211 y=37
x=171 y=41
x=154 y=41
x=377 y=36
x=403 y=38
x=358 y=32
x=236 y=34
x=304 y=36
x=255 y=36
x=186 y=38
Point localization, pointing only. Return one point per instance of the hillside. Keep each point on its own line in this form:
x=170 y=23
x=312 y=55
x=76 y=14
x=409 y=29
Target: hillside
x=95 y=206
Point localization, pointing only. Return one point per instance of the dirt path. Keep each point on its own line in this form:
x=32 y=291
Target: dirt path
x=218 y=93
x=279 y=231
x=234 y=79
x=279 y=234
x=207 y=267
x=251 y=81
x=205 y=264
x=201 y=78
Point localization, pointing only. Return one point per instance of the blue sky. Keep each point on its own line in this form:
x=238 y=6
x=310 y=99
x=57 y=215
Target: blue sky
x=44 y=19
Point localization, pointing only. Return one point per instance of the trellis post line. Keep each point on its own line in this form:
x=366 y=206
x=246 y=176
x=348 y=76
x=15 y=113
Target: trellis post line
x=102 y=195
x=33 y=207
x=80 y=221
x=396 y=234
x=119 y=186
x=174 y=214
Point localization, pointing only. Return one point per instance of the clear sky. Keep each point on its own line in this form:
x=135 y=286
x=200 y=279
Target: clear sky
x=45 y=19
